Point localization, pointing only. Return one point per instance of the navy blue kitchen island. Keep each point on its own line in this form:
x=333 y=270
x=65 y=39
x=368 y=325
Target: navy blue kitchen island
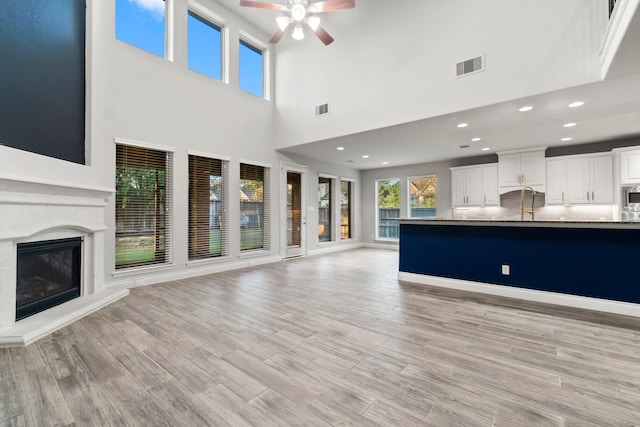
x=593 y=265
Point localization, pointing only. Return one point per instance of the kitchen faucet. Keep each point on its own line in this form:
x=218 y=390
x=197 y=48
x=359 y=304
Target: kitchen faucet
x=533 y=198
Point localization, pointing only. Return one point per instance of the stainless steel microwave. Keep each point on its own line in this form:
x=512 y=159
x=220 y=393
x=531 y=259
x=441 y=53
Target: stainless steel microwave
x=632 y=198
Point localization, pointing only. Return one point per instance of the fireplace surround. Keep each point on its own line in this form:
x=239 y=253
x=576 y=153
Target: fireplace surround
x=33 y=211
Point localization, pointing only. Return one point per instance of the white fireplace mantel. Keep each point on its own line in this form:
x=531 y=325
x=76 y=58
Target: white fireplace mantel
x=34 y=211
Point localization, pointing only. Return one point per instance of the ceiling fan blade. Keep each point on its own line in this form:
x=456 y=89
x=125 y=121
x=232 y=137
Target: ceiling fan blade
x=278 y=35
x=331 y=5
x=270 y=6
x=322 y=35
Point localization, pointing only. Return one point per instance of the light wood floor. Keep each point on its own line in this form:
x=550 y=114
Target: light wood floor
x=326 y=340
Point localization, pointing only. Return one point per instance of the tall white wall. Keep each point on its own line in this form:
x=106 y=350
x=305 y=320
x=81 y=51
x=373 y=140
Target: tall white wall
x=138 y=96
x=394 y=62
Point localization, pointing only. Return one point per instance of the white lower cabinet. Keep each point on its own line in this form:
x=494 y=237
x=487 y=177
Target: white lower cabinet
x=583 y=179
x=474 y=186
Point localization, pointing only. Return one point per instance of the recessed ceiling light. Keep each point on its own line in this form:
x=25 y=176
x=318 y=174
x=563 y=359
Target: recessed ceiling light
x=569 y=125
x=385 y=163
x=365 y=156
x=340 y=148
x=463 y=125
x=576 y=104
x=476 y=139
x=485 y=149
x=526 y=108
x=566 y=139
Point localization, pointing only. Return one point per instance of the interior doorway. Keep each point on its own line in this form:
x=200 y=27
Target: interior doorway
x=295 y=219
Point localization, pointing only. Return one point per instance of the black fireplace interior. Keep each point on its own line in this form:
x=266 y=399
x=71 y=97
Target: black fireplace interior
x=48 y=275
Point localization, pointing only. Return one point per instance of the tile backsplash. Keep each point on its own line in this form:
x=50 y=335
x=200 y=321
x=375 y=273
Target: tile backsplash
x=509 y=209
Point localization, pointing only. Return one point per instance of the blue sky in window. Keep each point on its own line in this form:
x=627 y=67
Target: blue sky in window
x=141 y=23
x=251 y=70
x=204 y=47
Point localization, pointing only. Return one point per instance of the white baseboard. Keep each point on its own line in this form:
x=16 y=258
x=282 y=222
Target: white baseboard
x=327 y=249
x=392 y=246
x=193 y=271
x=596 y=304
x=264 y=260
x=28 y=330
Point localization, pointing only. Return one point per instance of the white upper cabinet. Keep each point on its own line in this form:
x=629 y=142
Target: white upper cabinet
x=474 y=186
x=509 y=170
x=583 y=179
x=556 y=182
x=516 y=169
x=532 y=167
x=490 y=184
x=579 y=180
x=458 y=187
x=601 y=179
x=630 y=167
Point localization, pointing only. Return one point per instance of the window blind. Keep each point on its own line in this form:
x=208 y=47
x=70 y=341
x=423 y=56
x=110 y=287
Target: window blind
x=254 y=208
x=143 y=206
x=208 y=206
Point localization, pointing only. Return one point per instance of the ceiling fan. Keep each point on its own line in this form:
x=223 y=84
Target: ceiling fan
x=299 y=13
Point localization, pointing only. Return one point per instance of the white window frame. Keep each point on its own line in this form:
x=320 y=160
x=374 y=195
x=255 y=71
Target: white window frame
x=131 y=271
x=168 y=31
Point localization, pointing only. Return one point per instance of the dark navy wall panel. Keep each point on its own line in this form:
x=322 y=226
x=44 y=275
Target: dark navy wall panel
x=42 y=77
x=600 y=263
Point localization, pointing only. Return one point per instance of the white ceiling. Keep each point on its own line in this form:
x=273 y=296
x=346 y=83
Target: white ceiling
x=611 y=111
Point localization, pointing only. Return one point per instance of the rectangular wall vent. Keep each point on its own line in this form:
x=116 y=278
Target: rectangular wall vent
x=470 y=66
x=321 y=110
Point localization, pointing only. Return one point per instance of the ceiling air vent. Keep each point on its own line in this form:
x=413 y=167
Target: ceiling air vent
x=470 y=66
x=322 y=110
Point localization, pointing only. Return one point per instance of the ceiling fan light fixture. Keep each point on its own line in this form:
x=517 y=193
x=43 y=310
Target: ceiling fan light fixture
x=314 y=22
x=283 y=22
x=298 y=34
x=298 y=12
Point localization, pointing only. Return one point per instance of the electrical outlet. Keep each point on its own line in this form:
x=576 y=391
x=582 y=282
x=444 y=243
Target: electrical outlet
x=506 y=269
